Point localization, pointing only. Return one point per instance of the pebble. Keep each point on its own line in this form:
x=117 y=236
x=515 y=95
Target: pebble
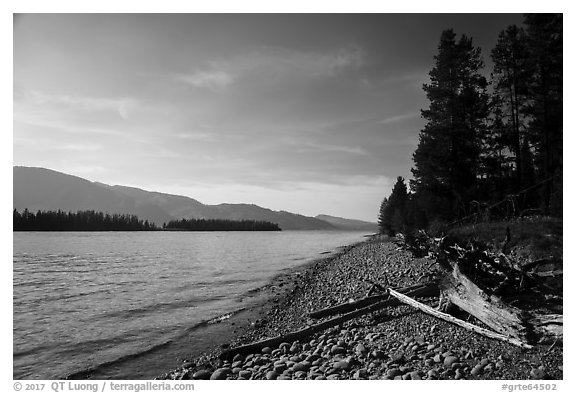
x=202 y=374
x=337 y=350
x=360 y=349
x=538 y=373
x=342 y=365
x=398 y=358
x=271 y=375
x=221 y=373
x=302 y=366
x=393 y=373
x=449 y=360
x=246 y=374
x=267 y=350
x=432 y=374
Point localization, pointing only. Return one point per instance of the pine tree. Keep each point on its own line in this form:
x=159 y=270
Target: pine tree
x=510 y=77
x=383 y=219
x=446 y=161
x=544 y=38
x=393 y=210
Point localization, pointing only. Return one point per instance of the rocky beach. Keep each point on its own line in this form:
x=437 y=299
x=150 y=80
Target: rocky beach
x=393 y=343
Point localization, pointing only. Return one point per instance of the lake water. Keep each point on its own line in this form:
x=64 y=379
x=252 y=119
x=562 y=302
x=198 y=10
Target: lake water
x=86 y=299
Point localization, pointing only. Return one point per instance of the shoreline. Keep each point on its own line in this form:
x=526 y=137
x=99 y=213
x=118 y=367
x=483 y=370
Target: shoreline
x=226 y=327
x=244 y=326
x=395 y=343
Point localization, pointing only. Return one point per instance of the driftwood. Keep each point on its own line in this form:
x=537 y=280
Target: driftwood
x=430 y=288
x=548 y=327
x=501 y=317
x=456 y=321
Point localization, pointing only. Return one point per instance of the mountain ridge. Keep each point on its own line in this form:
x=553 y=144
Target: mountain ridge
x=37 y=188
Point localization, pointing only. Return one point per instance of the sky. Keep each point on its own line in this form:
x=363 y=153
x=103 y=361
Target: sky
x=309 y=113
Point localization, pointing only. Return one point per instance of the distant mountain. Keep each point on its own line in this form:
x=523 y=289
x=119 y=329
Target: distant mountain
x=44 y=189
x=348 y=224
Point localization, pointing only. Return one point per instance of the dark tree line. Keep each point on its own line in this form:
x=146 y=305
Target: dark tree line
x=88 y=220
x=221 y=225
x=91 y=220
x=487 y=141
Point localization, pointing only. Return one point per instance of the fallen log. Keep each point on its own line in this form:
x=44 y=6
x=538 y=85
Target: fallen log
x=548 y=327
x=310 y=330
x=347 y=307
x=428 y=289
x=502 y=317
x=449 y=318
x=489 y=309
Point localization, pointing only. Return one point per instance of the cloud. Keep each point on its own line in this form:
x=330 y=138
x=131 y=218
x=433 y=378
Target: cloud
x=195 y=136
x=121 y=106
x=215 y=80
x=399 y=118
x=349 y=57
x=78 y=147
x=220 y=74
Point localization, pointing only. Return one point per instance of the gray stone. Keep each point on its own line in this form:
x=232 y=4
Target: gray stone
x=360 y=349
x=538 y=373
x=398 y=358
x=302 y=366
x=432 y=374
x=337 y=350
x=342 y=365
x=449 y=360
x=202 y=374
x=416 y=375
x=438 y=358
x=221 y=373
x=393 y=373
x=245 y=374
x=267 y=350
x=271 y=375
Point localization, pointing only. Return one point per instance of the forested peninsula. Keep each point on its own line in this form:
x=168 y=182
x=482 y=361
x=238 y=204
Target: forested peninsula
x=93 y=221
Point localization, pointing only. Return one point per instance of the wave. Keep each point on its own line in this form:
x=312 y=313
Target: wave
x=88 y=372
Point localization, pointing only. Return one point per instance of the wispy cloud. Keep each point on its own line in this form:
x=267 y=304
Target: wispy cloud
x=195 y=136
x=398 y=118
x=304 y=145
x=349 y=57
x=215 y=80
x=220 y=74
x=121 y=106
x=80 y=147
